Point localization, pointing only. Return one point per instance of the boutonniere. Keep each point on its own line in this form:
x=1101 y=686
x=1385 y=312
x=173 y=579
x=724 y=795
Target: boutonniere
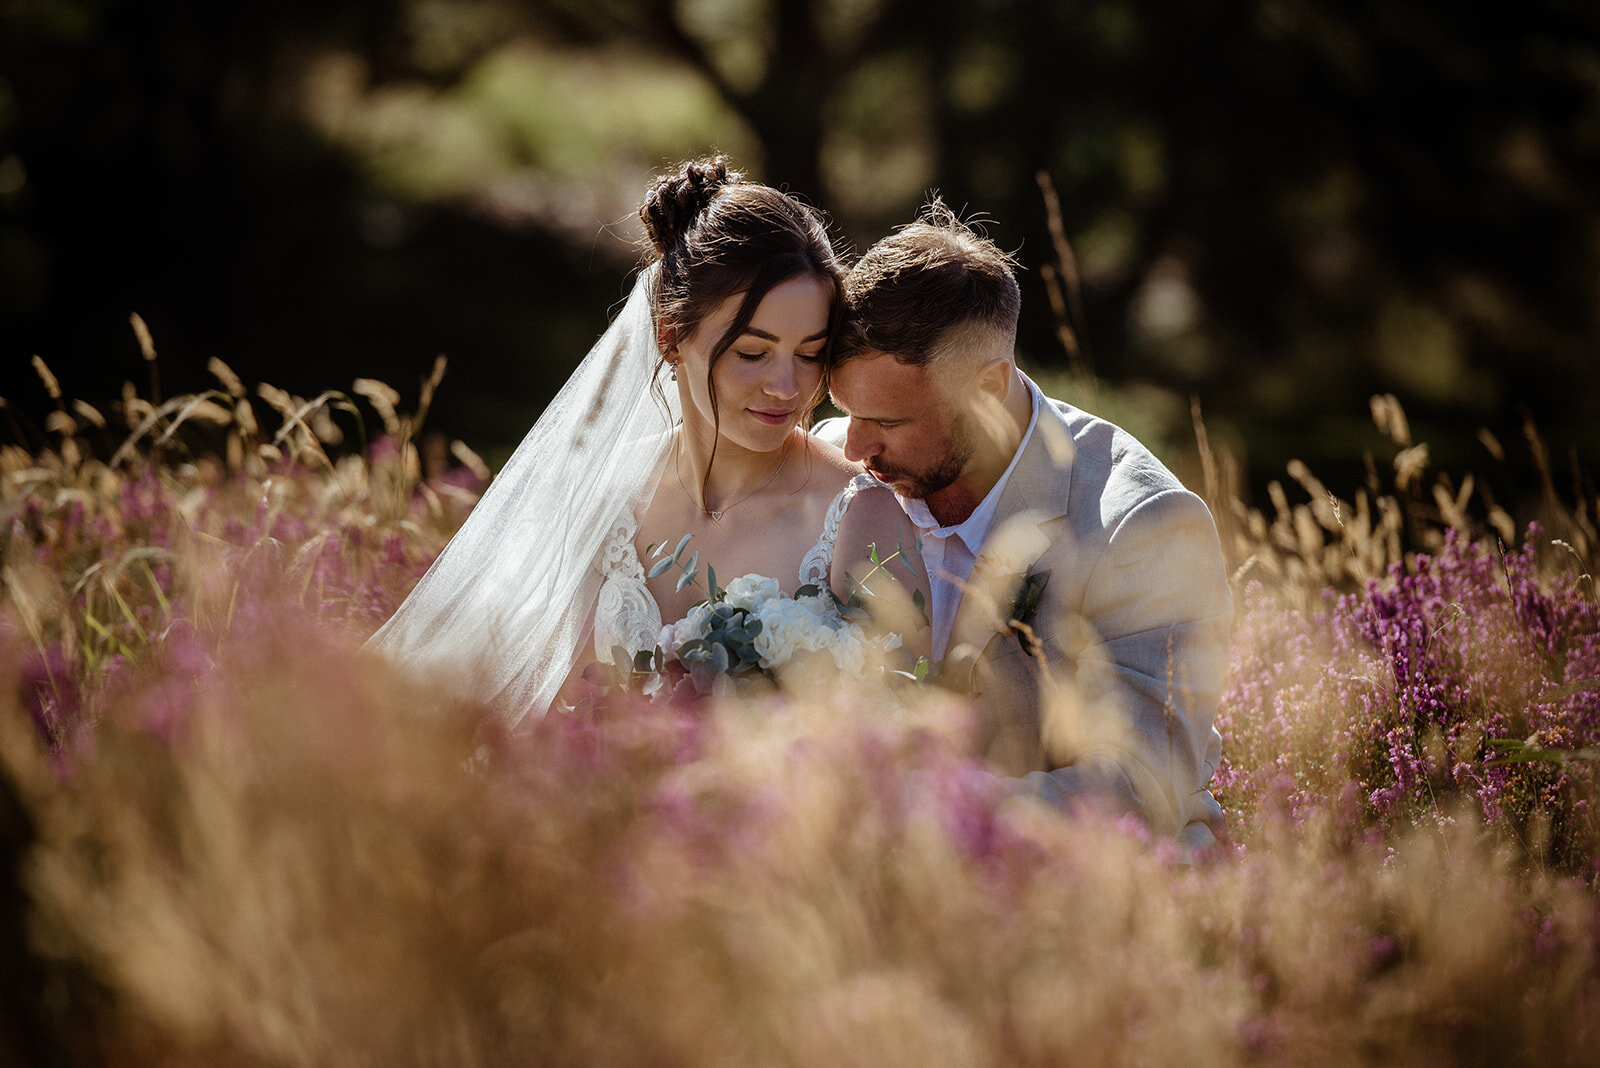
x=1025 y=607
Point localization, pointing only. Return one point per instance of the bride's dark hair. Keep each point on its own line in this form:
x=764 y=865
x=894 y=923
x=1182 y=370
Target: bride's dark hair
x=718 y=234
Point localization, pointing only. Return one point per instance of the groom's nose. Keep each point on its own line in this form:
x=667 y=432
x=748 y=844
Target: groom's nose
x=858 y=441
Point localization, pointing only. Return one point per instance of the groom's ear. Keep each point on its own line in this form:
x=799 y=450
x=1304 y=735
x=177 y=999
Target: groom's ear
x=994 y=380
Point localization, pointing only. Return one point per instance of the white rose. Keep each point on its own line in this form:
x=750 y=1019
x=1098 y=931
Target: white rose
x=748 y=591
x=849 y=649
x=780 y=631
x=692 y=627
x=819 y=604
x=789 y=627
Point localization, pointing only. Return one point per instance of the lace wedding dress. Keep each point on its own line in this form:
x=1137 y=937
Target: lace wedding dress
x=502 y=613
x=626 y=615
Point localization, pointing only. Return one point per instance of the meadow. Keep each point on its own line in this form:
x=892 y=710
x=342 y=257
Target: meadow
x=229 y=838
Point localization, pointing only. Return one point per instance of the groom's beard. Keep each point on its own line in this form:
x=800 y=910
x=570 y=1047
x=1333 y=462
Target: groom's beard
x=918 y=484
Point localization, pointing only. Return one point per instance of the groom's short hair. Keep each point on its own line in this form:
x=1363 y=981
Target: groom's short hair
x=930 y=289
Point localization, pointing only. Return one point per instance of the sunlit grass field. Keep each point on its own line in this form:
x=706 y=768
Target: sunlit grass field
x=229 y=837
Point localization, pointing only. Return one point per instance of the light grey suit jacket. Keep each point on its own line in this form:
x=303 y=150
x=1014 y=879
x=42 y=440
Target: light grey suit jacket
x=1131 y=627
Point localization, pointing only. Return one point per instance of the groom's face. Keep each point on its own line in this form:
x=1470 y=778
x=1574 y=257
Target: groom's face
x=905 y=426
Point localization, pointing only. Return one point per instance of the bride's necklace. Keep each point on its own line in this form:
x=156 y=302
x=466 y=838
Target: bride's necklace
x=717 y=515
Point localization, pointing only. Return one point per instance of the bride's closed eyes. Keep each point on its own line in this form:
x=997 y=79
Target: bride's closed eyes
x=752 y=357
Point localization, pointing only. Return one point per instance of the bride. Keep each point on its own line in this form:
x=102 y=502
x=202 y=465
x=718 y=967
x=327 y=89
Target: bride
x=688 y=417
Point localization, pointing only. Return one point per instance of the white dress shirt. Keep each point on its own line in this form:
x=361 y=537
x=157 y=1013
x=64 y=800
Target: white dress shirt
x=949 y=552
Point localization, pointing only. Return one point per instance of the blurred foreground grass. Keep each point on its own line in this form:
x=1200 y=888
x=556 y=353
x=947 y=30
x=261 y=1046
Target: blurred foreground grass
x=226 y=837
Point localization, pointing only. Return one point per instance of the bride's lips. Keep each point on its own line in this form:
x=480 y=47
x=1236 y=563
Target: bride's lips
x=772 y=417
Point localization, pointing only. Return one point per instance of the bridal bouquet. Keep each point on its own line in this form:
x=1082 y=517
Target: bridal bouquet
x=751 y=625
x=751 y=629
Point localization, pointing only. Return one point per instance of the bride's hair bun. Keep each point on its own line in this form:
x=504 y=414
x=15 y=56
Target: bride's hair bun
x=715 y=235
x=675 y=201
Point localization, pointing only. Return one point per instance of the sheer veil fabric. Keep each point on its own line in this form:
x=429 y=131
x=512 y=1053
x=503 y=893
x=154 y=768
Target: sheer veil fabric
x=501 y=614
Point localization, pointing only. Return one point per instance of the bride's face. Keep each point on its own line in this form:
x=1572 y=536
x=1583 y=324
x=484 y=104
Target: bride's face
x=768 y=378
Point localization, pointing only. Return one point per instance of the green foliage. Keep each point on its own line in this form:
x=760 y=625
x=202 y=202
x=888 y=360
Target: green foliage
x=462 y=176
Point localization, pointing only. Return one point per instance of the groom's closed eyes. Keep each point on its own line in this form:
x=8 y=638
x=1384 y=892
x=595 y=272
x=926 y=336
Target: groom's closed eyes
x=886 y=422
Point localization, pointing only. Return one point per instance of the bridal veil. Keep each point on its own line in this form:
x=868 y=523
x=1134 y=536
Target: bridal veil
x=501 y=614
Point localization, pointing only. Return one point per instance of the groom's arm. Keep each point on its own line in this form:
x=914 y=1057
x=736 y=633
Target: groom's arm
x=1127 y=721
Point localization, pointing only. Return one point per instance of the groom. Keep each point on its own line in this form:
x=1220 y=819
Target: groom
x=1079 y=592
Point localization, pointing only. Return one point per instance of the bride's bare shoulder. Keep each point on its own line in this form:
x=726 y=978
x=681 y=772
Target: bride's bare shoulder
x=829 y=461
x=875 y=508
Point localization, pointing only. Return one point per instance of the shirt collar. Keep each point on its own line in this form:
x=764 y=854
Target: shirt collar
x=975 y=527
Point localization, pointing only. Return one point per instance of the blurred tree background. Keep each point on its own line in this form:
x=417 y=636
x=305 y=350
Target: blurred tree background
x=1278 y=206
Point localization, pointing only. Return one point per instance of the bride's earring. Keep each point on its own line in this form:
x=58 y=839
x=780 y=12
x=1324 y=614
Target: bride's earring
x=672 y=370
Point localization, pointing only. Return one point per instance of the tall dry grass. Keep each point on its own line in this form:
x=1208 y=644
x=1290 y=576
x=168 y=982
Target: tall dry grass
x=226 y=837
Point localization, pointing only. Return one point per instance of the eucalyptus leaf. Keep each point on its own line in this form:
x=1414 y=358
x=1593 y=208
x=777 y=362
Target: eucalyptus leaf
x=905 y=559
x=692 y=568
x=810 y=589
x=711 y=582
x=660 y=567
x=719 y=658
x=702 y=675
x=682 y=542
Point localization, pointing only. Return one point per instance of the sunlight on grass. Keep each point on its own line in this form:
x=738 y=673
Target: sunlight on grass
x=239 y=839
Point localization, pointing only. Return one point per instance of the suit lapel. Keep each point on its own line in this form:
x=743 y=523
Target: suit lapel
x=1036 y=494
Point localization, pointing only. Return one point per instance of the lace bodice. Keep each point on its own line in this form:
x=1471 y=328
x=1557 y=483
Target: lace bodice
x=626 y=615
